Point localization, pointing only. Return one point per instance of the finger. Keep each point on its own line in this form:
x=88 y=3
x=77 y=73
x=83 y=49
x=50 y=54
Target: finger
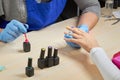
x=68 y=28
x=11 y=33
x=75 y=30
x=71 y=40
x=14 y=32
x=20 y=26
x=76 y=36
x=26 y=26
x=9 y=36
x=11 y=26
x=17 y=34
x=78 y=31
x=65 y=32
x=8 y=39
x=76 y=41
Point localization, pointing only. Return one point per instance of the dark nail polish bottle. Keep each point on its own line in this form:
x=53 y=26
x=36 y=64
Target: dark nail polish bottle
x=41 y=61
x=115 y=4
x=49 y=58
x=55 y=57
x=26 y=46
x=29 y=70
x=118 y=3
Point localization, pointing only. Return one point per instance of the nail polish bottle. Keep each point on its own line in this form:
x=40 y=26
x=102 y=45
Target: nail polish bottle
x=41 y=60
x=55 y=57
x=118 y=3
x=26 y=45
x=29 y=70
x=115 y=4
x=49 y=58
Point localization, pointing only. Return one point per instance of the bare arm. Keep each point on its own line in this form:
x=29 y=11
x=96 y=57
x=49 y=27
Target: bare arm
x=89 y=19
x=90 y=12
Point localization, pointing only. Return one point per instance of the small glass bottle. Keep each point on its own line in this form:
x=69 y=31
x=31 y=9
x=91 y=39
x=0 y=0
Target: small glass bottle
x=108 y=8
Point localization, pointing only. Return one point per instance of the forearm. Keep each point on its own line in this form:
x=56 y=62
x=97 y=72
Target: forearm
x=108 y=70
x=90 y=12
x=89 y=18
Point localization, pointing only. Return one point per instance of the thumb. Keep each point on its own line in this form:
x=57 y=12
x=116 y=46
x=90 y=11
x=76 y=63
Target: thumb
x=26 y=26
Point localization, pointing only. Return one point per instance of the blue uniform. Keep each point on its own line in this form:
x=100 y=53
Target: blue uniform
x=40 y=15
x=36 y=15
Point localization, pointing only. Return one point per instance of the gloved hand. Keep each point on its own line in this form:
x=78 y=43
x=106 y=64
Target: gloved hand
x=13 y=30
x=73 y=45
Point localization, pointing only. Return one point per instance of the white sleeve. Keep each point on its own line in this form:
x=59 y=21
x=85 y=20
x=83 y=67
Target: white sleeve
x=108 y=70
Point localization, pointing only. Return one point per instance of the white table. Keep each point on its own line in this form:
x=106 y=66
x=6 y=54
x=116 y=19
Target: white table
x=74 y=64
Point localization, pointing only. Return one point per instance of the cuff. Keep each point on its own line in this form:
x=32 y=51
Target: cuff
x=83 y=27
x=94 y=50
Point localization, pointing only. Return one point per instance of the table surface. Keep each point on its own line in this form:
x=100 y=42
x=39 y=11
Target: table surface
x=75 y=64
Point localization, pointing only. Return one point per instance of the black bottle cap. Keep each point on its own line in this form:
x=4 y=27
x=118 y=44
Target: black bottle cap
x=55 y=57
x=29 y=62
x=115 y=4
x=49 y=51
x=41 y=61
x=118 y=3
x=55 y=52
x=42 y=53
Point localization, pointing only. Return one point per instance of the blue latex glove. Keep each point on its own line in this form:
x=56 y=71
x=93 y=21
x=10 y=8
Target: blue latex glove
x=73 y=45
x=13 y=30
x=83 y=27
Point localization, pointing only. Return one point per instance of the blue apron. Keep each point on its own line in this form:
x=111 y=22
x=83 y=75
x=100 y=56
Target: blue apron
x=40 y=15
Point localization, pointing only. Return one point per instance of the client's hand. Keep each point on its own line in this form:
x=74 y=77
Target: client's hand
x=82 y=39
x=73 y=45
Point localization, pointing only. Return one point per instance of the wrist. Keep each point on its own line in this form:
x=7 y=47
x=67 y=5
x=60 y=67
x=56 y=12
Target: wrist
x=1 y=29
x=84 y=27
